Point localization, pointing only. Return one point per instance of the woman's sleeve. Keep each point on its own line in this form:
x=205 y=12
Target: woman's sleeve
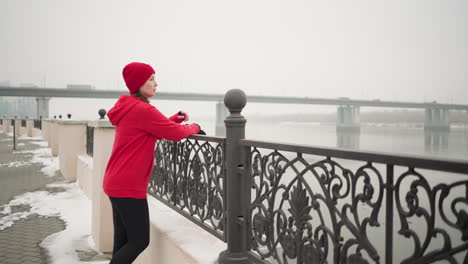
x=155 y=123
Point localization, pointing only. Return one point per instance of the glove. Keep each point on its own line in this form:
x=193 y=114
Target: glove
x=201 y=132
x=183 y=116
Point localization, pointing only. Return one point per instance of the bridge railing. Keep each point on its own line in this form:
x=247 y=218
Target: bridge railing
x=286 y=203
x=317 y=205
x=188 y=176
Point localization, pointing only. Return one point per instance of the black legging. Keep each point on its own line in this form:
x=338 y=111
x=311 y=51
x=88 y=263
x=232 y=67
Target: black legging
x=131 y=228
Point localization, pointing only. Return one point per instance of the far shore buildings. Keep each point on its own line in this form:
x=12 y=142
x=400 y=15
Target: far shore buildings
x=26 y=107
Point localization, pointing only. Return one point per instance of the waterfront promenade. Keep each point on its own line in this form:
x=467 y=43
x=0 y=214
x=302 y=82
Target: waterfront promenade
x=23 y=171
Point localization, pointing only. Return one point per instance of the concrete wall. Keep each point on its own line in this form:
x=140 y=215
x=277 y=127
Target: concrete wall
x=6 y=123
x=176 y=240
x=71 y=142
x=54 y=137
x=101 y=225
x=17 y=127
x=45 y=130
x=29 y=127
x=84 y=174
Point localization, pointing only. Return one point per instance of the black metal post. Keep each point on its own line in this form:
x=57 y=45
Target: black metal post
x=389 y=216
x=14 y=134
x=236 y=209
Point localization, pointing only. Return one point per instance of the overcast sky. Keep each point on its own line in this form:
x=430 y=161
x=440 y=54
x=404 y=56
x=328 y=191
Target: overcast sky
x=407 y=50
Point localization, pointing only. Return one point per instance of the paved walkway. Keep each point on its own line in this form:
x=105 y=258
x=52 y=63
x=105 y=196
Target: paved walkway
x=20 y=242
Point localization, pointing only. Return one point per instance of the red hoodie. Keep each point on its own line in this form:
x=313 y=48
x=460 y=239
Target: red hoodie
x=138 y=126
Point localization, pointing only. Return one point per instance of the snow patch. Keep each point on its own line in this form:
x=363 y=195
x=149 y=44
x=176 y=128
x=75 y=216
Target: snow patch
x=71 y=206
x=15 y=164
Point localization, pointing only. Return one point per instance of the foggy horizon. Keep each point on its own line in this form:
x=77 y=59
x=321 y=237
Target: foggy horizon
x=392 y=51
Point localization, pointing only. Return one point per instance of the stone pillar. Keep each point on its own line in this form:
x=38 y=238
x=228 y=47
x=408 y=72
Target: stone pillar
x=348 y=118
x=102 y=225
x=6 y=125
x=437 y=119
x=72 y=142
x=221 y=114
x=46 y=130
x=18 y=127
x=42 y=107
x=29 y=127
x=54 y=137
x=237 y=190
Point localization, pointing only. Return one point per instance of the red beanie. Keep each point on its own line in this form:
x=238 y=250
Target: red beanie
x=136 y=74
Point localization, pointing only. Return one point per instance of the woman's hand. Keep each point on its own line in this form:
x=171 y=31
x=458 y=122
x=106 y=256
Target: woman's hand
x=183 y=116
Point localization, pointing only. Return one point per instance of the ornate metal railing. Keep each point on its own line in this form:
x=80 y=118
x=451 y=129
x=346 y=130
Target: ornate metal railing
x=286 y=203
x=318 y=205
x=89 y=140
x=188 y=176
x=38 y=124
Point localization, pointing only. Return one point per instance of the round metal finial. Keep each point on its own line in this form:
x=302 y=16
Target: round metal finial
x=235 y=100
x=69 y=116
x=102 y=113
x=60 y=116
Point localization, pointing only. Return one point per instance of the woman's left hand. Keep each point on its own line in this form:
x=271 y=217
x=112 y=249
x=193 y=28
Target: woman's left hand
x=183 y=115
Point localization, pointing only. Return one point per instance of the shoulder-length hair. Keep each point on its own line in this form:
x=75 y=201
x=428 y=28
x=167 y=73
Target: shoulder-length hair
x=139 y=95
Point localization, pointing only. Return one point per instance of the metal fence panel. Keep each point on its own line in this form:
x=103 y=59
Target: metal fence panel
x=188 y=176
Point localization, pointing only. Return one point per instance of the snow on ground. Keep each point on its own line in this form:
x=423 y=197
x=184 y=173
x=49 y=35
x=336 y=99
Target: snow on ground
x=71 y=206
x=30 y=138
x=15 y=164
x=40 y=143
x=44 y=157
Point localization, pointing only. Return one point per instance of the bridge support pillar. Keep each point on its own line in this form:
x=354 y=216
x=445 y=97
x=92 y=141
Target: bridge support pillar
x=221 y=114
x=348 y=119
x=437 y=119
x=42 y=107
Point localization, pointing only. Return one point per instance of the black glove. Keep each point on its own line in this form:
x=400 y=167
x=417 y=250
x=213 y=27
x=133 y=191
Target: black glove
x=181 y=114
x=201 y=132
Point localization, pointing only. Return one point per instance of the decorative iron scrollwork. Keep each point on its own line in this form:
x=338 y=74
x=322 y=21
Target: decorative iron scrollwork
x=307 y=211
x=189 y=176
x=430 y=204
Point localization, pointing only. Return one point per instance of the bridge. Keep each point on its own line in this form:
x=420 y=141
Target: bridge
x=348 y=112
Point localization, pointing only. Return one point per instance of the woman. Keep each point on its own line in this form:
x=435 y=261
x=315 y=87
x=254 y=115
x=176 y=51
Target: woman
x=138 y=126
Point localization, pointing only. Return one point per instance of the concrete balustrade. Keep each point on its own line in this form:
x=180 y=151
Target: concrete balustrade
x=102 y=223
x=84 y=174
x=29 y=127
x=72 y=142
x=6 y=123
x=22 y=130
x=45 y=130
x=17 y=127
x=54 y=137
